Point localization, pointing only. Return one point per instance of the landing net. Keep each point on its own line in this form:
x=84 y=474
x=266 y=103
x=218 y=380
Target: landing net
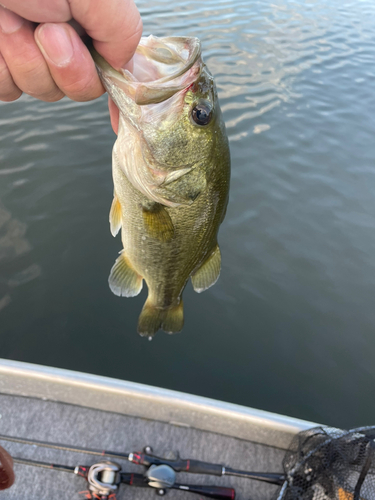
x=324 y=463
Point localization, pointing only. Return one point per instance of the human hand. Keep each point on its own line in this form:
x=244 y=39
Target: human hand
x=49 y=60
x=6 y=470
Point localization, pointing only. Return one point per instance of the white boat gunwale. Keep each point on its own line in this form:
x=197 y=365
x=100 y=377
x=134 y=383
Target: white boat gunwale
x=145 y=401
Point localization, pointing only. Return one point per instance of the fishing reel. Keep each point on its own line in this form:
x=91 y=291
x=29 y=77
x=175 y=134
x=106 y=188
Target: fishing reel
x=160 y=477
x=103 y=478
x=163 y=477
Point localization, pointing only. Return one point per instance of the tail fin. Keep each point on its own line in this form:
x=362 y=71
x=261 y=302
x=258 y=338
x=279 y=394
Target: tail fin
x=153 y=318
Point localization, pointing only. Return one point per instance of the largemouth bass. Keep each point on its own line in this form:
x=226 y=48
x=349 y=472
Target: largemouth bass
x=171 y=169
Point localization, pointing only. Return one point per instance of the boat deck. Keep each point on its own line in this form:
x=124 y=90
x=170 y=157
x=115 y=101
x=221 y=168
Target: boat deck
x=74 y=425
x=193 y=435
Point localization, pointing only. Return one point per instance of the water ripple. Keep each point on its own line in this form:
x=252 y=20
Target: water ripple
x=295 y=81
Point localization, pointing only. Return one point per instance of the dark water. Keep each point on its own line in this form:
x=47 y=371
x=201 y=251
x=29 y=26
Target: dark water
x=290 y=326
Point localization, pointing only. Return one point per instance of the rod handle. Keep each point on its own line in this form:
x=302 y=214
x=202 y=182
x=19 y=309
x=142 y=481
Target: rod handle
x=198 y=467
x=218 y=492
x=133 y=479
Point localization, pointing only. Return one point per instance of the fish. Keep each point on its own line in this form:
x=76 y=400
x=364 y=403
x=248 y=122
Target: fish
x=171 y=174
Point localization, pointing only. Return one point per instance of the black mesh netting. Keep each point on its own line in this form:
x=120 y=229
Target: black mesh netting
x=325 y=463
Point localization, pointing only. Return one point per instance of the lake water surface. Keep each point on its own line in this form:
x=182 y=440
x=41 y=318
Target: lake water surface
x=290 y=326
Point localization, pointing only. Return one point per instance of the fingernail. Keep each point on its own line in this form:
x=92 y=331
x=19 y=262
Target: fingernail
x=9 y=21
x=54 y=41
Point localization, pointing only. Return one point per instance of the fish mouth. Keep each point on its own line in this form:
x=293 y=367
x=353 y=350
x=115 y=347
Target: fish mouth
x=162 y=67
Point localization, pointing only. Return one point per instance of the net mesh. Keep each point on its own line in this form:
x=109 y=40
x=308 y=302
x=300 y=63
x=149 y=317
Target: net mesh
x=330 y=464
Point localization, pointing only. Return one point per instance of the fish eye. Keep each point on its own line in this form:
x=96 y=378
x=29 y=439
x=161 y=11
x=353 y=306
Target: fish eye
x=202 y=113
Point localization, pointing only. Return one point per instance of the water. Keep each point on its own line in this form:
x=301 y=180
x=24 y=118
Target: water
x=290 y=325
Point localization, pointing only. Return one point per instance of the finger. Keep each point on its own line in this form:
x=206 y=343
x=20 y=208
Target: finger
x=8 y=89
x=69 y=61
x=114 y=25
x=23 y=58
x=40 y=11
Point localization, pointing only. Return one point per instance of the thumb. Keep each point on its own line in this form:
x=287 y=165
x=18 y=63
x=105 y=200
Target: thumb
x=114 y=25
x=6 y=470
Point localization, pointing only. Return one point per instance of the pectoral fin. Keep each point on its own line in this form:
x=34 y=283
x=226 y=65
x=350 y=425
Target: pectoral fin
x=208 y=273
x=115 y=216
x=123 y=280
x=158 y=222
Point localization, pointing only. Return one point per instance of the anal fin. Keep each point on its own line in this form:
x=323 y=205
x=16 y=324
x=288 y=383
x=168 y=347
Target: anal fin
x=208 y=273
x=158 y=222
x=115 y=216
x=123 y=280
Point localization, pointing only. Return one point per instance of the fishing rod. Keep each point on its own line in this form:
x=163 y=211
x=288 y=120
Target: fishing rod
x=147 y=459
x=321 y=463
x=104 y=479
